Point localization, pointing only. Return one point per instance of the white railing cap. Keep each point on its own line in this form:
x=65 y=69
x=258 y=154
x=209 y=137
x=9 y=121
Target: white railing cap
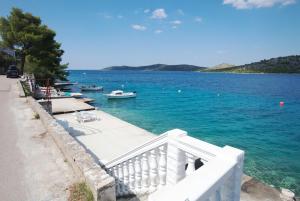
x=176 y=133
x=198 y=186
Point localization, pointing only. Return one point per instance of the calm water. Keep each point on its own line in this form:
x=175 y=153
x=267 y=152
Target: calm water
x=241 y=110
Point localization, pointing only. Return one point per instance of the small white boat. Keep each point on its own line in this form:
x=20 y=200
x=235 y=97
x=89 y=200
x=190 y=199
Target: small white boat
x=118 y=94
x=91 y=88
x=76 y=95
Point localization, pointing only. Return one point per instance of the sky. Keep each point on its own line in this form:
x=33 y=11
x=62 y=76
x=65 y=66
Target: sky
x=99 y=33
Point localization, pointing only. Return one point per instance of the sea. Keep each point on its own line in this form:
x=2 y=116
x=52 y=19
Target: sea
x=240 y=110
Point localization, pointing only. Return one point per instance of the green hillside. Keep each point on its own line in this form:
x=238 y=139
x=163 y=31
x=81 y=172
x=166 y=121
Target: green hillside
x=288 y=64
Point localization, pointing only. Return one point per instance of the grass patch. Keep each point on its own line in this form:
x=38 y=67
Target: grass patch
x=80 y=192
x=36 y=116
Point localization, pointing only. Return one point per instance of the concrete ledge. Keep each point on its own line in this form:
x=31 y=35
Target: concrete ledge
x=21 y=90
x=101 y=184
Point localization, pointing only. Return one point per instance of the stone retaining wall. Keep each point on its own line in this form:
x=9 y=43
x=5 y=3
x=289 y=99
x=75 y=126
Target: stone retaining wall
x=101 y=184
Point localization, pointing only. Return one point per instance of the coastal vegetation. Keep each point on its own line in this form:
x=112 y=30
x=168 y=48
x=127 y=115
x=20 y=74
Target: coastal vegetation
x=34 y=44
x=5 y=61
x=288 y=64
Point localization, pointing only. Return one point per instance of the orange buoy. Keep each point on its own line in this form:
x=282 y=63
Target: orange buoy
x=281 y=103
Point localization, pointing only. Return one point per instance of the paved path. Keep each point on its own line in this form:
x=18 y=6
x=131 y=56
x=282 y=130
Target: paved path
x=109 y=132
x=31 y=166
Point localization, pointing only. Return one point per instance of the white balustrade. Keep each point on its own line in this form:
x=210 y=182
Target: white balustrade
x=121 y=180
x=116 y=176
x=138 y=175
x=190 y=164
x=153 y=170
x=162 y=166
x=145 y=173
x=169 y=160
x=126 y=178
x=131 y=176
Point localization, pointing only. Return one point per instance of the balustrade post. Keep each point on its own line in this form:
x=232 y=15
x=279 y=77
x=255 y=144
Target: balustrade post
x=237 y=155
x=121 y=179
x=126 y=178
x=131 y=176
x=191 y=164
x=162 y=166
x=153 y=170
x=117 y=181
x=138 y=174
x=218 y=195
x=145 y=173
x=175 y=158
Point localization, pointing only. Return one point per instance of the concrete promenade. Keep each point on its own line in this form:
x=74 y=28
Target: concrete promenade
x=31 y=166
x=108 y=137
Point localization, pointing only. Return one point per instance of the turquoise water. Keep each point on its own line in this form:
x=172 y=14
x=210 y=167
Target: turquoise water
x=241 y=110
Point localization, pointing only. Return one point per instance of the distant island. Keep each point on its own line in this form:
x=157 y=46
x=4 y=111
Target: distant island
x=288 y=64
x=159 y=67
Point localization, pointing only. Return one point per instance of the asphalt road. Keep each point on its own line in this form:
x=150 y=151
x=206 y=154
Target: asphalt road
x=11 y=167
x=31 y=166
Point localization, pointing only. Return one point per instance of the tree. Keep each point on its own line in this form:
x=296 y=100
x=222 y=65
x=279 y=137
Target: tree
x=34 y=43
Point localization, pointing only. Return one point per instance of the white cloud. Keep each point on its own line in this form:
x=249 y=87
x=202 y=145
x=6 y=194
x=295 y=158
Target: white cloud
x=247 y=4
x=146 y=10
x=176 y=22
x=108 y=16
x=138 y=27
x=198 y=19
x=180 y=12
x=120 y=16
x=158 y=31
x=159 y=13
x=105 y=15
x=174 y=27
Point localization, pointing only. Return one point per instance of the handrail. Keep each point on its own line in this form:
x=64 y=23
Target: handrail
x=197 y=147
x=161 y=139
x=193 y=188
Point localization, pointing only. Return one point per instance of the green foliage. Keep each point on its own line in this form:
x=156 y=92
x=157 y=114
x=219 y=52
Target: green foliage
x=35 y=45
x=5 y=61
x=80 y=192
x=289 y=64
x=36 y=116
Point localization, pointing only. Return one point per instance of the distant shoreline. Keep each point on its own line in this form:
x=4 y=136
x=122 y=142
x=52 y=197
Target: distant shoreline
x=220 y=72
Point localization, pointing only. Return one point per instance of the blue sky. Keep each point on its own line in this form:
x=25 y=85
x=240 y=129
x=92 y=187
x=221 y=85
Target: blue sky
x=101 y=33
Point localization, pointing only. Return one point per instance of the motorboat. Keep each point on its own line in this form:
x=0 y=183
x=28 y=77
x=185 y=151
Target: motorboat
x=64 y=86
x=91 y=88
x=119 y=94
x=74 y=94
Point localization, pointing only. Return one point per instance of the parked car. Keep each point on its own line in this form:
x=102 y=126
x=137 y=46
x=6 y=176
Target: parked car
x=12 y=72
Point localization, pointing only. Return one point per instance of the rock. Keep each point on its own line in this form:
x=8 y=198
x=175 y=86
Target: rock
x=287 y=195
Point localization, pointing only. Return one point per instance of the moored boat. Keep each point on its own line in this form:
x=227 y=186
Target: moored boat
x=119 y=94
x=74 y=94
x=91 y=88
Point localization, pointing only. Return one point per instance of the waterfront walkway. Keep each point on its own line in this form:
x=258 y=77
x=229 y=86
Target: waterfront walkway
x=31 y=166
x=108 y=137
